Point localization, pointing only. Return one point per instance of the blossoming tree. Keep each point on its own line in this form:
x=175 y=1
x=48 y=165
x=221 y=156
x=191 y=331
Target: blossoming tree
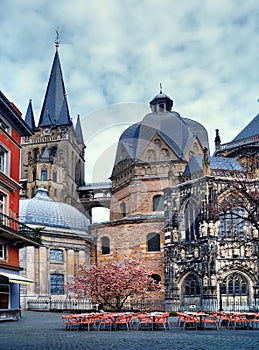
x=113 y=282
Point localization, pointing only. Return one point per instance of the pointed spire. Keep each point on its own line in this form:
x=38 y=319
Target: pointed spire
x=78 y=131
x=217 y=140
x=29 y=117
x=55 y=110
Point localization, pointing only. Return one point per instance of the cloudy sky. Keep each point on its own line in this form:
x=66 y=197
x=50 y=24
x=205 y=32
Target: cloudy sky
x=115 y=53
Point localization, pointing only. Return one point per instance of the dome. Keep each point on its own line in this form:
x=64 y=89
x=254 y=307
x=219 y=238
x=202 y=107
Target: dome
x=43 y=211
x=178 y=132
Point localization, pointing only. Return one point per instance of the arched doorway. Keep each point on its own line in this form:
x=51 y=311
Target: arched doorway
x=191 y=292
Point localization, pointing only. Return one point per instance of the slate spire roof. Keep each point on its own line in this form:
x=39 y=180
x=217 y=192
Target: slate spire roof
x=55 y=110
x=252 y=129
x=78 y=131
x=29 y=117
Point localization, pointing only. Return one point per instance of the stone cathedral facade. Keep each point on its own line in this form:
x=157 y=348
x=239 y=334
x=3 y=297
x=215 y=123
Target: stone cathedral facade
x=190 y=217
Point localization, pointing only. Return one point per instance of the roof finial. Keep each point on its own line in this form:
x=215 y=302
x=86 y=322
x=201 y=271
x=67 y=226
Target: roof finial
x=56 y=41
x=161 y=90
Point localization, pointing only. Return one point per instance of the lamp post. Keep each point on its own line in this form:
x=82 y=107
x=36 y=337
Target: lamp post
x=220 y=281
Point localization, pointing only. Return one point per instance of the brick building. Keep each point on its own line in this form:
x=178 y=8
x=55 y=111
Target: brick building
x=13 y=235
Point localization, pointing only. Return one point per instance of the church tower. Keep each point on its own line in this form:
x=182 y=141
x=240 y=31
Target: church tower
x=53 y=156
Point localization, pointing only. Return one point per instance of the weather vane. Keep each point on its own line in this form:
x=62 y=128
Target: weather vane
x=56 y=41
x=161 y=90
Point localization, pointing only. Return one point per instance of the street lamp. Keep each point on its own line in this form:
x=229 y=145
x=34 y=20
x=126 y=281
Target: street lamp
x=220 y=281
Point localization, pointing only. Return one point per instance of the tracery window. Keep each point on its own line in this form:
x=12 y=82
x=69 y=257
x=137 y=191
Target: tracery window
x=153 y=242
x=57 y=284
x=232 y=223
x=105 y=245
x=234 y=284
x=192 y=286
x=191 y=221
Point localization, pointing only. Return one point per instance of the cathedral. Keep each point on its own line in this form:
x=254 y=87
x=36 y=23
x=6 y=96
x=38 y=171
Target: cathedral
x=190 y=217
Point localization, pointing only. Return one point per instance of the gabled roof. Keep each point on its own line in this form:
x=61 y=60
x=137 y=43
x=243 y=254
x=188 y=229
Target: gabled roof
x=250 y=130
x=29 y=117
x=55 y=110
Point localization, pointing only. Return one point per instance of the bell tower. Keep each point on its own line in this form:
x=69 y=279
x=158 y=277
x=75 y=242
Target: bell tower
x=53 y=156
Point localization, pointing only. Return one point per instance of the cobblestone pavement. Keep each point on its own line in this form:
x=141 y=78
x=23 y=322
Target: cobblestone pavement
x=45 y=331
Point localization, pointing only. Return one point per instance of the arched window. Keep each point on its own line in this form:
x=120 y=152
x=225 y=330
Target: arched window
x=191 y=221
x=234 y=285
x=105 y=245
x=53 y=151
x=123 y=209
x=232 y=223
x=192 y=286
x=158 y=203
x=153 y=242
x=35 y=153
x=44 y=174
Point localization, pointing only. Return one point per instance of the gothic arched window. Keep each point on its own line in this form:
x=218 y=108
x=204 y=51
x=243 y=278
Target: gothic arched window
x=192 y=286
x=234 y=285
x=153 y=242
x=232 y=223
x=191 y=221
x=105 y=245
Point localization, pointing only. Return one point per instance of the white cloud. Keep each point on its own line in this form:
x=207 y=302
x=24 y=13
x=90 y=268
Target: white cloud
x=205 y=53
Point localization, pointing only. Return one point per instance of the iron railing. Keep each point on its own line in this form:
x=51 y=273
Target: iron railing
x=12 y=225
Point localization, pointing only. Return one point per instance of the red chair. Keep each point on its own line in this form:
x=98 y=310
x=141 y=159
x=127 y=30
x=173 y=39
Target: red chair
x=180 y=319
x=123 y=320
x=88 y=321
x=162 y=321
x=106 y=321
x=145 y=321
x=191 y=321
x=209 y=320
x=255 y=320
x=70 y=321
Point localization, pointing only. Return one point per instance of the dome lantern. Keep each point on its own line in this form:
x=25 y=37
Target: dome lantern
x=161 y=102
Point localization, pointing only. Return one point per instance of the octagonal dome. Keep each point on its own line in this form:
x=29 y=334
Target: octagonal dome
x=178 y=132
x=43 y=211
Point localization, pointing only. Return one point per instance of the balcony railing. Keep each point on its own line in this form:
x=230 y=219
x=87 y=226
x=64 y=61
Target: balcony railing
x=12 y=225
